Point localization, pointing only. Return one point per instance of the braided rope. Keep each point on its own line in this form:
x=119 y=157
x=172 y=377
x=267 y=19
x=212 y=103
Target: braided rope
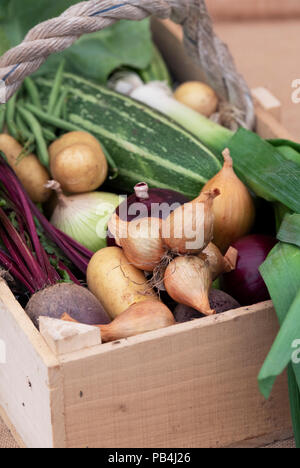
x=57 y=34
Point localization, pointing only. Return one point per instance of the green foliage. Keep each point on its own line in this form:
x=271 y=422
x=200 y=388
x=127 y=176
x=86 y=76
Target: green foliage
x=95 y=56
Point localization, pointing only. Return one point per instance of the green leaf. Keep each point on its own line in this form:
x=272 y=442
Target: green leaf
x=282 y=349
x=279 y=142
x=294 y=404
x=290 y=230
x=94 y=56
x=281 y=273
x=265 y=170
x=4 y=41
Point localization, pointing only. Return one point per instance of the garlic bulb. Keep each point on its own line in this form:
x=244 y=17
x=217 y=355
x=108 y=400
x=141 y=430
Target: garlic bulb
x=217 y=263
x=84 y=217
x=188 y=281
x=234 y=210
x=143 y=245
x=189 y=229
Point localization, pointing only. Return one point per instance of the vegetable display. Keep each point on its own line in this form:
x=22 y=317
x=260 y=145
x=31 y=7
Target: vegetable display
x=145 y=147
x=123 y=205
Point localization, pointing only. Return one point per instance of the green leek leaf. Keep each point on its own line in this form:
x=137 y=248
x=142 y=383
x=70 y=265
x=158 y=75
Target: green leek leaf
x=279 y=142
x=281 y=273
x=289 y=231
x=266 y=171
x=294 y=394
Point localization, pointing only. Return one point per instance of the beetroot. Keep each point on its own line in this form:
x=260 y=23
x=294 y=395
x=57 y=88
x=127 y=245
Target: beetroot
x=78 y=302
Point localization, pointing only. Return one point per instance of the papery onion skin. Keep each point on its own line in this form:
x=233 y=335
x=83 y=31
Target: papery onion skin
x=84 y=217
x=143 y=245
x=188 y=281
x=245 y=283
x=137 y=319
x=219 y=300
x=234 y=209
x=154 y=202
x=189 y=229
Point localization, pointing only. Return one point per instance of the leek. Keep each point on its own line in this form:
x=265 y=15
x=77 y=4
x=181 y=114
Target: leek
x=159 y=96
x=289 y=231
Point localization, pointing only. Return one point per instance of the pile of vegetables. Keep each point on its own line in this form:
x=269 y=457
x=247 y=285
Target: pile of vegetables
x=192 y=240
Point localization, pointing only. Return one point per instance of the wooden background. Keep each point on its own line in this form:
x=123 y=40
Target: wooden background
x=254 y=9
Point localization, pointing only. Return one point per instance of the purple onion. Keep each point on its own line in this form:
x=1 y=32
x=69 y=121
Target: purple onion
x=245 y=283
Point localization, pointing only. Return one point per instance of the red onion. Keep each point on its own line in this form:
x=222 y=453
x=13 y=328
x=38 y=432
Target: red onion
x=145 y=202
x=245 y=283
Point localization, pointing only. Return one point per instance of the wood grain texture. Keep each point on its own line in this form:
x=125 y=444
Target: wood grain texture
x=66 y=337
x=192 y=385
x=29 y=380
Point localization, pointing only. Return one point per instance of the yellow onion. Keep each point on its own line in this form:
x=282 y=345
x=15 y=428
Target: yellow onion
x=189 y=229
x=143 y=245
x=137 y=319
x=188 y=281
x=218 y=263
x=234 y=210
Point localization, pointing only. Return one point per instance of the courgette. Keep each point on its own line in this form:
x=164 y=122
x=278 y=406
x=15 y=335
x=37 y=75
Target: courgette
x=145 y=145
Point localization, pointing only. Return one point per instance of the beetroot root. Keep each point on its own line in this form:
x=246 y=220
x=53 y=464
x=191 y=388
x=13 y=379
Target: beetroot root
x=65 y=298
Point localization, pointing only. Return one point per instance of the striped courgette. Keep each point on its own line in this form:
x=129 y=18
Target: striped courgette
x=144 y=144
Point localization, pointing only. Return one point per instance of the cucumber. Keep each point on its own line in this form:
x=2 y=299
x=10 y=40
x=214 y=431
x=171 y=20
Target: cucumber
x=145 y=145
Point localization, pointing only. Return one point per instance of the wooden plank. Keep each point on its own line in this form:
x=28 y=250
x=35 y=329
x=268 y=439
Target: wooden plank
x=191 y=385
x=66 y=337
x=268 y=126
x=29 y=379
x=265 y=99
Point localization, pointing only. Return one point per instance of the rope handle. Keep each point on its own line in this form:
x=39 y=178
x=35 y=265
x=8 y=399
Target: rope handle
x=201 y=43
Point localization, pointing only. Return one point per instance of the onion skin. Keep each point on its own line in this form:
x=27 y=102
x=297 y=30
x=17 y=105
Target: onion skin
x=217 y=263
x=143 y=245
x=137 y=319
x=188 y=281
x=78 y=302
x=147 y=206
x=234 y=210
x=219 y=300
x=245 y=283
x=189 y=229
x=84 y=216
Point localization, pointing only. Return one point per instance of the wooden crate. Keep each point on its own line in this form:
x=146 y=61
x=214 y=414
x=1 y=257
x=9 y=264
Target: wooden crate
x=190 y=385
